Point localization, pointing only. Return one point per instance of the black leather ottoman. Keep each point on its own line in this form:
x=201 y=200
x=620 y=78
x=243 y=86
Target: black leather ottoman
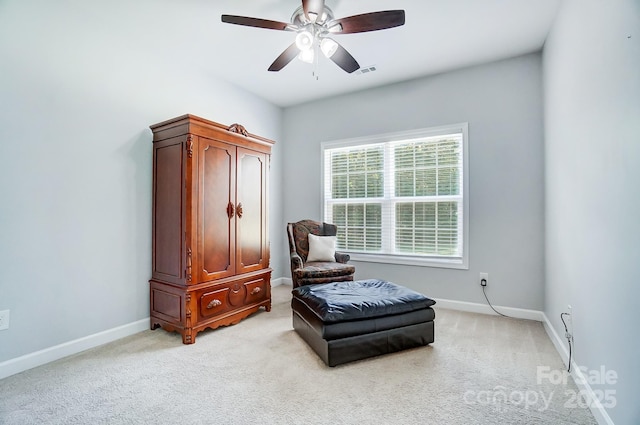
x=347 y=321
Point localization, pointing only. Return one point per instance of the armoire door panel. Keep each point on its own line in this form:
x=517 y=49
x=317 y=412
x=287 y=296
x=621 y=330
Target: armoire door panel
x=217 y=163
x=251 y=221
x=168 y=219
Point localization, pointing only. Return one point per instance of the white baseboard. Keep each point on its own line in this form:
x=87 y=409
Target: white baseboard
x=598 y=411
x=280 y=281
x=518 y=313
x=38 y=358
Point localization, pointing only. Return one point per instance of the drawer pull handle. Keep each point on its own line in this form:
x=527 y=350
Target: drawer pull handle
x=239 y=210
x=255 y=290
x=214 y=303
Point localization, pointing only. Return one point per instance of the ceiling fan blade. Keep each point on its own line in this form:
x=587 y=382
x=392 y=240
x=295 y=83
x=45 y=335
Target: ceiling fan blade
x=314 y=7
x=256 y=22
x=344 y=60
x=373 y=21
x=285 y=57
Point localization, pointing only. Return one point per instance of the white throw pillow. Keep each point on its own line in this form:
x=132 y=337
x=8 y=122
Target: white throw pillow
x=322 y=248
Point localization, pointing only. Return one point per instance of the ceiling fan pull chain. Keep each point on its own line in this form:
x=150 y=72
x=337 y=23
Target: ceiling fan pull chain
x=316 y=61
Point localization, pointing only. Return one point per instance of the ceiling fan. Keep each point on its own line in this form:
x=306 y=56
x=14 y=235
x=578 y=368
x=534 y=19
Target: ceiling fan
x=314 y=23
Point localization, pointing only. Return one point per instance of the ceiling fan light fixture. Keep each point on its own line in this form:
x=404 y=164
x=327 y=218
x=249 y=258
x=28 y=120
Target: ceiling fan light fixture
x=328 y=47
x=313 y=21
x=306 y=56
x=304 y=40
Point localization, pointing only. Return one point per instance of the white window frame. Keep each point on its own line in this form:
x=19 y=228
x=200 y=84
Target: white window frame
x=461 y=262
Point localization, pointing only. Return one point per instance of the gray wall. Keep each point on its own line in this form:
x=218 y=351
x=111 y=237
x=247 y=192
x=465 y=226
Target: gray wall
x=592 y=168
x=75 y=167
x=502 y=102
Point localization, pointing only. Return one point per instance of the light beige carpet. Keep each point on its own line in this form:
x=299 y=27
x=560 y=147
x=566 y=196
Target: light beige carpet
x=480 y=370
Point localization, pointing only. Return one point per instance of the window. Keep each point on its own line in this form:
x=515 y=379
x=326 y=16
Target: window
x=400 y=198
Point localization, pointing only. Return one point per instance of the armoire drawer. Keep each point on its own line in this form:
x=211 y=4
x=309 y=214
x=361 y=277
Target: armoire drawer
x=214 y=302
x=256 y=291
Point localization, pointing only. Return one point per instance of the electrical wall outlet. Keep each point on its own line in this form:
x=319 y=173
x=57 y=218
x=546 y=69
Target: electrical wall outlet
x=4 y=320
x=484 y=279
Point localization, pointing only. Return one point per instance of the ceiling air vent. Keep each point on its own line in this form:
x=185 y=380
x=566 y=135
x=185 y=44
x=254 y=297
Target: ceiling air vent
x=366 y=70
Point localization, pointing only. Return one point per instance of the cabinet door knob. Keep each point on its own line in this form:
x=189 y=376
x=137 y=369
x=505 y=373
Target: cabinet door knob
x=239 y=210
x=214 y=303
x=255 y=290
x=230 y=210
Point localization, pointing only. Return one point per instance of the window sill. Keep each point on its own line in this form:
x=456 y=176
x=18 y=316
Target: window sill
x=408 y=260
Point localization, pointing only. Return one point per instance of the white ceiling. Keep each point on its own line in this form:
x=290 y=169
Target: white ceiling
x=439 y=35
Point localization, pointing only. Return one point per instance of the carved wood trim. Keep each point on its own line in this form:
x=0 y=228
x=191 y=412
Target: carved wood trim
x=190 y=146
x=237 y=128
x=189 y=263
x=188 y=330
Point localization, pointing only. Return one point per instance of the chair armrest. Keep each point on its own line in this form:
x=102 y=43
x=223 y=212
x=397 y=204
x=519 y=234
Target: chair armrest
x=341 y=257
x=296 y=261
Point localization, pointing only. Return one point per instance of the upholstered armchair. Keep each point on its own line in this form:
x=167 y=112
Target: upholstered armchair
x=322 y=268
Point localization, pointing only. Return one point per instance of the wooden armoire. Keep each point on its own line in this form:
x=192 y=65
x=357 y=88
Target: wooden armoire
x=210 y=242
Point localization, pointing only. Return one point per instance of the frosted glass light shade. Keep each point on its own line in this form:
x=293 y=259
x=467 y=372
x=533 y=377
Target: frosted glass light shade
x=304 y=40
x=306 y=55
x=328 y=47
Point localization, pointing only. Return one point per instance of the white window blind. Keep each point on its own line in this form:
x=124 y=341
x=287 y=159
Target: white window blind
x=402 y=198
